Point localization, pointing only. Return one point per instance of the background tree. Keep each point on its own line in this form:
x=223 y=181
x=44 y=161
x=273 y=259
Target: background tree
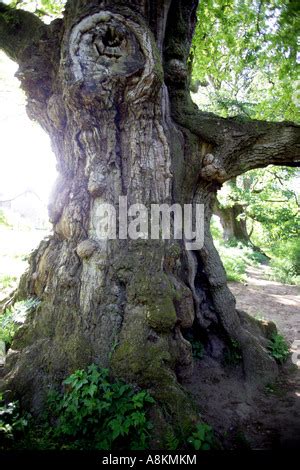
x=260 y=204
x=249 y=69
x=109 y=82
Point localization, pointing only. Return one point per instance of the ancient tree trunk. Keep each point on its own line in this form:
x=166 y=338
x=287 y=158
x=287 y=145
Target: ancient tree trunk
x=110 y=85
x=233 y=223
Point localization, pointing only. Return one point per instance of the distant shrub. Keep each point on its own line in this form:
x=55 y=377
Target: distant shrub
x=285 y=262
x=8 y=327
x=236 y=256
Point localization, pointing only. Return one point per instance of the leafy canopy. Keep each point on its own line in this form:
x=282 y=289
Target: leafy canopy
x=46 y=9
x=245 y=57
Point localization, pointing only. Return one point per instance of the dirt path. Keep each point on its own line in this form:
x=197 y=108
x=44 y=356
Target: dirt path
x=270 y=300
x=242 y=415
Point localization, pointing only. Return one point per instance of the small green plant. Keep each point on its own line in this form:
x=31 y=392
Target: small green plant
x=259 y=316
x=11 y=421
x=275 y=388
x=171 y=441
x=13 y=317
x=197 y=348
x=235 y=268
x=97 y=413
x=278 y=348
x=202 y=438
x=8 y=327
x=269 y=388
x=233 y=354
x=241 y=440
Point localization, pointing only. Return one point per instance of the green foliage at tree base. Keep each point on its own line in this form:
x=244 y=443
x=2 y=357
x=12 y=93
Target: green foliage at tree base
x=93 y=413
x=278 y=348
x=12 y=422
x=202 y=438
x=97 y=413
x=197 y=348
x=233 y=354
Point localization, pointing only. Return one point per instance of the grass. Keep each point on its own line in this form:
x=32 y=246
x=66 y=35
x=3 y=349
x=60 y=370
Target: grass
x=236 y=259
x=234 y=264
x=284 y=260
x=283 y=271
x=7 y=281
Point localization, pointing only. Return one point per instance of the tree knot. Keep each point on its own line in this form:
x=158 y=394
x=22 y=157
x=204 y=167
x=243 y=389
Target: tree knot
x=213 y=169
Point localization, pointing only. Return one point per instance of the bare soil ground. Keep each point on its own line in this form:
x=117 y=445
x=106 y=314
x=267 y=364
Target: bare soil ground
x=270 y=300
x=243 y=414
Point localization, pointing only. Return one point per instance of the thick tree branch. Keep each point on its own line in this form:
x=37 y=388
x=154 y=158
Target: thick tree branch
x=262 y=144
x=18 y=29
x=267 y=142
x=237 y=145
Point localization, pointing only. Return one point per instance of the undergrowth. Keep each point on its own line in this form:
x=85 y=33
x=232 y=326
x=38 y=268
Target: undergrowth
x=278 y=348
x=93 y=412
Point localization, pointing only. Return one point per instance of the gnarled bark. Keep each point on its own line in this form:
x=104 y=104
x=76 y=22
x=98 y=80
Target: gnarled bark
x=110 y=85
